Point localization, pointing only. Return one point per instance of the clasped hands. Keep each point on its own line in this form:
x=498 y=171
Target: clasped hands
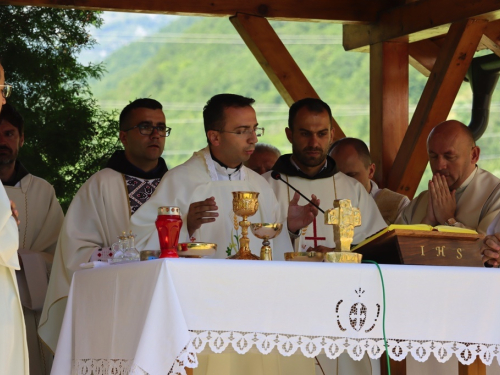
x=441 y=205
x=490 y=250
x=298 y=217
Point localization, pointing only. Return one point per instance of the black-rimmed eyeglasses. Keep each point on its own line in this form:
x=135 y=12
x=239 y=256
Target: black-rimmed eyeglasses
x=246 y=131
x=6 y=90
x=148 y=129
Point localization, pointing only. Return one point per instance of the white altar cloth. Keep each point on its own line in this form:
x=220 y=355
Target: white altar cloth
x=138 y=318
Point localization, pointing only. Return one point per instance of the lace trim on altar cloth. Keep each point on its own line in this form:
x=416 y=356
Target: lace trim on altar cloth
x=187 y=358
x=107 y=367
x=311 y=346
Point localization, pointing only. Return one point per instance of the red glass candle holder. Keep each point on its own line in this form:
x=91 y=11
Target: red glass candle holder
x=168 y=223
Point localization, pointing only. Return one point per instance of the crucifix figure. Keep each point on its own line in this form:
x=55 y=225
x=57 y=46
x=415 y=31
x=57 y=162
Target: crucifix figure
x=344 y=218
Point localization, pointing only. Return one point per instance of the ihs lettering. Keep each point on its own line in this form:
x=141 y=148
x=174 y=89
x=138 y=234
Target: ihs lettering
x=440 y=251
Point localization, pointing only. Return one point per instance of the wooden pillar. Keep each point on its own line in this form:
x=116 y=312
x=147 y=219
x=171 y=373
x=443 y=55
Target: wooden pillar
x=274 y=58
x=388 y=104
x=475 y=368
x=435 y=103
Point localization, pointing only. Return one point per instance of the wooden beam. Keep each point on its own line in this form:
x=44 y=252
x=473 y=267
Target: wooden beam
x=388 y=104
x=418 y=20
x=435 y=103
x=475 y=368
x=340 y=11
x=423 y=56
x=274 y=58
x=491 y=37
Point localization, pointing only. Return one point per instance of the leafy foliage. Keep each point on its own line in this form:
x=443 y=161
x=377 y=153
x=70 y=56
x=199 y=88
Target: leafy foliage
x=67 y=135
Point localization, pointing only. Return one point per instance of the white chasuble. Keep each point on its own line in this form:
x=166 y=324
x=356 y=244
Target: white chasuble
x=41 y=219
x=196 y=180
x=13 y=347
x=317 y=233
x=98 y=213
x=477 y=205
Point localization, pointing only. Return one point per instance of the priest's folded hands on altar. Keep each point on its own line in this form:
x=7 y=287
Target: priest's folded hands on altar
x=298 y=217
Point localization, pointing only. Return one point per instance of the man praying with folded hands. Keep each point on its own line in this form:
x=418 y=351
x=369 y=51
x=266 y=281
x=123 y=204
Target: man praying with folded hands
x=460 y=193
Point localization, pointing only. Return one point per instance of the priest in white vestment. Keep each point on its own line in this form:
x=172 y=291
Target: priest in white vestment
x=310 y=170
x=13 y=347
x=202 y=188
x=353 y=158
x=460 y=193
x=41 y=218
x=102 y=208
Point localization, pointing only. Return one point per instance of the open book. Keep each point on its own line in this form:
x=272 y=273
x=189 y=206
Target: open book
x=417 y=227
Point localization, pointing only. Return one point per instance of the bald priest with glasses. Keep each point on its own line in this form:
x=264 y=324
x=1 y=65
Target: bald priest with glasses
x=202 y=187
x=103 y=206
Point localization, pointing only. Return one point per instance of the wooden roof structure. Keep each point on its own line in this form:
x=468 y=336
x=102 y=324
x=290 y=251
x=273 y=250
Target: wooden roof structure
x=438 y=37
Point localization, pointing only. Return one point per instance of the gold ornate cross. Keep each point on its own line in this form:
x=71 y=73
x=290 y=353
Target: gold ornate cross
x=344 y=218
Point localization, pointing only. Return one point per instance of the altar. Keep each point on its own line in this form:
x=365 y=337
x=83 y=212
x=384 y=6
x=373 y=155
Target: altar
x=154 y=317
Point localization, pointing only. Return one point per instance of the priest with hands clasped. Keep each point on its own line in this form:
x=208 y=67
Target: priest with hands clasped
x=202 y=187
x=460 y=193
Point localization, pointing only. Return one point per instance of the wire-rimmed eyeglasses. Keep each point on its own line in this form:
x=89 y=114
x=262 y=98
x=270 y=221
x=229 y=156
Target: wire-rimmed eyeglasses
x=6 y=90
x=148 y=129
x=246 y=131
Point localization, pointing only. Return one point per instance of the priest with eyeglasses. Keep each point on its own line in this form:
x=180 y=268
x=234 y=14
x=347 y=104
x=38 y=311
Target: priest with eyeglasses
x=103 y=206
x=202 y=187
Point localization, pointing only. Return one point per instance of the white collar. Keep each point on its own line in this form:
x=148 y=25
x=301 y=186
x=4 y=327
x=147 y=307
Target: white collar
x=466 y=182
x=375 y=189
x=218 y=172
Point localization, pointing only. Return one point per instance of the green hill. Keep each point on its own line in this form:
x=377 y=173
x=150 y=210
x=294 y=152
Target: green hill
x=192 y=59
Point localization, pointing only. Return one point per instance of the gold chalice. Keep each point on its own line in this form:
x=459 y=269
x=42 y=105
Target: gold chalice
x=245 y=204
x=266 y=231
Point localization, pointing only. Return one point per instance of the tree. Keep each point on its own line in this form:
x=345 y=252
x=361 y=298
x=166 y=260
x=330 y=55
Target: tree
x=68 y=137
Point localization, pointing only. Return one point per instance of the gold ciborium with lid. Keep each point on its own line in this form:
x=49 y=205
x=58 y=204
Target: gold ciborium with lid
x=245 y=204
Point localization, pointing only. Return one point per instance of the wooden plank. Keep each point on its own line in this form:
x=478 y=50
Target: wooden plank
x=418 y=20
x=341 y=11
x=491 y=37
x=423 y=55
x=435 y=103
x=388 y=104
x=397 y=367
x=276 y=61
x=476 y=368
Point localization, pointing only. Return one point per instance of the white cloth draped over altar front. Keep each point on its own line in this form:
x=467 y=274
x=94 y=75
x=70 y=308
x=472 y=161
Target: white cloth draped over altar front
x=144 y=313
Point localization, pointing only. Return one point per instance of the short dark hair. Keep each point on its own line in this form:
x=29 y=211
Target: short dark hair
x=213 y=112
x=312 y=104
x=138 y=103
x=360 y=147
x=10 y=115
